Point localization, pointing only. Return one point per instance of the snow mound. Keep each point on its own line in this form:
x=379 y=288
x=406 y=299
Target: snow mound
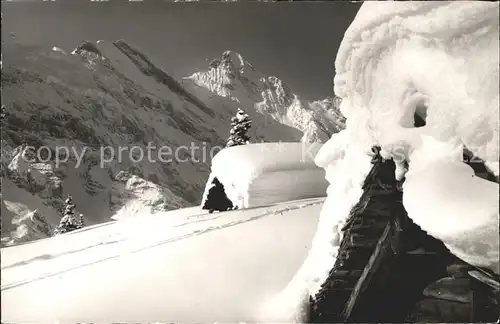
x=460 y=208
x=438 y=60
x=266 y=173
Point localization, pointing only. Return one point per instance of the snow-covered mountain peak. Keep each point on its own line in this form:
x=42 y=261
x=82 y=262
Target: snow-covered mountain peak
x=90 y=53
x=234 y=78
x=228 y=75
x=274 y=88
x=234 y=61
x=87 y=47
x=233 y=57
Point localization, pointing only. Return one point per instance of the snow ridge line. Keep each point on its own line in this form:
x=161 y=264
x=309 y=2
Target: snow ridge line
x=169 y=240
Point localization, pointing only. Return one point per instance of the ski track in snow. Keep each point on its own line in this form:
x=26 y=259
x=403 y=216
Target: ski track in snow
x=54 y=256
x=197 y=232
x=218 y=215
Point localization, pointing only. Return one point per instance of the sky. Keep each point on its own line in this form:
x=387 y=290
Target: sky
x=295 y=41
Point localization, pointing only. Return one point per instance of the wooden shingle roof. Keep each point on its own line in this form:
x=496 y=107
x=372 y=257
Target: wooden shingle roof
x=390 y=270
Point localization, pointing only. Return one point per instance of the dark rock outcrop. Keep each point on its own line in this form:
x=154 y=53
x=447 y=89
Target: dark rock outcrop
x=478 y=165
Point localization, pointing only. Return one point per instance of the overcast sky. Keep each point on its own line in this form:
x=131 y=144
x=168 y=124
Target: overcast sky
x=295 y=41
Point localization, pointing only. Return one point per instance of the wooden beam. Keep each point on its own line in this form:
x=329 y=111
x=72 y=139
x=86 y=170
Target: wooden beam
x=380 y=252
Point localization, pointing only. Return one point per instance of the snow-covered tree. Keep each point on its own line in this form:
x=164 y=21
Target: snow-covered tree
x=68 y=222
x=240 y=125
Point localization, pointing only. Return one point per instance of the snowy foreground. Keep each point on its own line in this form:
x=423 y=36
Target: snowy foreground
x=181 y=266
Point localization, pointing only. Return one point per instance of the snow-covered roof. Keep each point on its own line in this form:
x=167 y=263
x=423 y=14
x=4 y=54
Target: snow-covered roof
x=385 y=259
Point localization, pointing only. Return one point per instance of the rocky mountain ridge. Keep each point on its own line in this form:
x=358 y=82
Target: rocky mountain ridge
x=233 y=77
x=101 y=107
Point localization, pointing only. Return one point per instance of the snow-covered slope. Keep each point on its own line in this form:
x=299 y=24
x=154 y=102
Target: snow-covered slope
x=267 y=173
x=102 y=98
x=180 y=266
x=234 y=78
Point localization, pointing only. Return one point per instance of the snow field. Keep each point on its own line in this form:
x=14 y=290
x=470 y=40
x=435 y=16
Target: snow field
x=180 y=266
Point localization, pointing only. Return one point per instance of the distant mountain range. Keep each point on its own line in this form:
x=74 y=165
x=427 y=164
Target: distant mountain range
x=111 y=95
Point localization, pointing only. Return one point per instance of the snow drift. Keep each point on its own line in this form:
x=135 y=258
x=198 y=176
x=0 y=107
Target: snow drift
x=460 y=208
x=402 y=62
x=267 y=173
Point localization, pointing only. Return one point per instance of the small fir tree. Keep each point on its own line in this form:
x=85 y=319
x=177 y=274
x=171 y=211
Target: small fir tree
x=68 y=222
x=216 y=198
x=240 y=124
